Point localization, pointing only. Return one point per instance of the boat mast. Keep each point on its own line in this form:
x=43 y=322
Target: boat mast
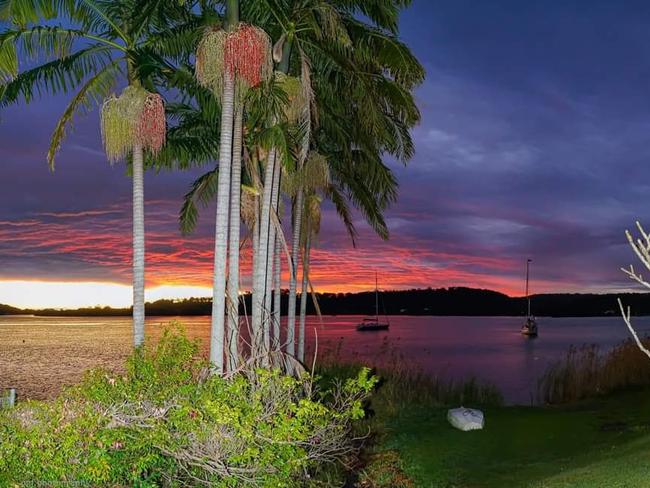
x=527 y=275
x=376 y=298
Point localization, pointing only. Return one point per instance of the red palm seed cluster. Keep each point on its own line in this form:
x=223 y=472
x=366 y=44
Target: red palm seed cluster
x=151 y=127
x=246 y=55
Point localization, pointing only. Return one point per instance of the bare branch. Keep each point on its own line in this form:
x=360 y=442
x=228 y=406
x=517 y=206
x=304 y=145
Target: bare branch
x=626 y=317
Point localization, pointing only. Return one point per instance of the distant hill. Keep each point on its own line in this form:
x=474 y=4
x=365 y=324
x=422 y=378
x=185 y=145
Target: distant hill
x=9 y=310
x=429 y=301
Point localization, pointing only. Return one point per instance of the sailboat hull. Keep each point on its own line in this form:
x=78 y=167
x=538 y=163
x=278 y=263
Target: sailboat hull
x=529 y=328
x=372 y=326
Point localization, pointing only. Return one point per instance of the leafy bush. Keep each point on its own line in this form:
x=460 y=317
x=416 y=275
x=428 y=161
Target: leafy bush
x=167 y=422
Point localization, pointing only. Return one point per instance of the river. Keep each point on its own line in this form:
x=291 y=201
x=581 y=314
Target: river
x=38 y=355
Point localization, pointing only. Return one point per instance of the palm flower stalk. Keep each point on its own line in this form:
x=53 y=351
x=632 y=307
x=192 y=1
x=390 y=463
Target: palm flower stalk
x=296 y=98
x=242 y=53
x=135 y=118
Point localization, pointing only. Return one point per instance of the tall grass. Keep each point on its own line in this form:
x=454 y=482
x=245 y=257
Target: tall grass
x=585 y=372
x=405 y=385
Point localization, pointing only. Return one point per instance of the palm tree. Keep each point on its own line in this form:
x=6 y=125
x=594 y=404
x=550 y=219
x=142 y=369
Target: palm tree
x=312 y=175
x=204 y=189
x=131 y=123
x=263 y=261
x=228 y=61
x=349 y=61
x=106 y=43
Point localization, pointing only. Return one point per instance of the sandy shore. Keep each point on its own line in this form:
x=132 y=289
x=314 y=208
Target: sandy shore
x=38 y=360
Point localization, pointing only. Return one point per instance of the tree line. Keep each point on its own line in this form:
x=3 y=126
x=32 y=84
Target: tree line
x=458 y=301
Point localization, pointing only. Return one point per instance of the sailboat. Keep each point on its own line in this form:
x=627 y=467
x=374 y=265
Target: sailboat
x=530 y=326
x=373 y=323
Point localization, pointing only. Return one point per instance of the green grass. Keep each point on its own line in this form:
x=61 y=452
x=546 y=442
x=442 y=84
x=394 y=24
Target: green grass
x=599 y=443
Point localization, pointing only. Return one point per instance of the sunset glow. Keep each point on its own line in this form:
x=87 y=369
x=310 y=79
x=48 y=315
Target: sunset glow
x=66 y=295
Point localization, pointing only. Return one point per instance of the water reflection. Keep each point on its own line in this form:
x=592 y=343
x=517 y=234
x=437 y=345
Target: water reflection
x=39 y=354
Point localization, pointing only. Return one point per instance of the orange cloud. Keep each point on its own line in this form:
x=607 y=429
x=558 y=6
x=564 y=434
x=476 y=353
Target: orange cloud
x=95 y=246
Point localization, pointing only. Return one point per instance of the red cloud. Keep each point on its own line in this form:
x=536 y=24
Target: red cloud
x=96 y=244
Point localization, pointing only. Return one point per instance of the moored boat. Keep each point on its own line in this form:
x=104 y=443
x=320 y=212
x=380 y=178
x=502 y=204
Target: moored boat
x=373 y=323
x=530 y=326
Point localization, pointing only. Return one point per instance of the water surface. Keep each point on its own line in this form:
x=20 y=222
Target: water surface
x=40 y=354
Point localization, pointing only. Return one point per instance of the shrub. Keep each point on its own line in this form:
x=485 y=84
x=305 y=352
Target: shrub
x=166 y=421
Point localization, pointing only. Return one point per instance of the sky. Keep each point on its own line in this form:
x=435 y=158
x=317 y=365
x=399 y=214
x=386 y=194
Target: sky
x=534 y=142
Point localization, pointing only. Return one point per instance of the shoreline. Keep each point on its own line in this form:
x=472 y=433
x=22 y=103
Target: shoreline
x=73 y=313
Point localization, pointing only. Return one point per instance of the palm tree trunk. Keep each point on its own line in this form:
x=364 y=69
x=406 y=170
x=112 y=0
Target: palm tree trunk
x=293 y=279
x=277 y=294
x=303 y=299
x=259 y=320
x=270 y=255
x=261 y=284
x=138 y=246
x=233 y=259
x=221 y=226
x=256 y=231
x=255 y=258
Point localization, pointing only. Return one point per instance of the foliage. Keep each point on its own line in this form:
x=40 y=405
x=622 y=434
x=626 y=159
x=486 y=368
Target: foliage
x=105 y=42
x=296 y=101
x=584 y=372
x=166 y=421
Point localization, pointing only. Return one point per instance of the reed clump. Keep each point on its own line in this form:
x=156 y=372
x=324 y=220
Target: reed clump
x=585 y=372
x=404 y=385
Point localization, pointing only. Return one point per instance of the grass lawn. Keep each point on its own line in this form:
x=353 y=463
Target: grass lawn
x=599 y=443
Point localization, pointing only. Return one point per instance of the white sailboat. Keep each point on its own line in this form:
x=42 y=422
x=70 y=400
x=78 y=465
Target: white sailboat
x=530 y=326
x=373 y=323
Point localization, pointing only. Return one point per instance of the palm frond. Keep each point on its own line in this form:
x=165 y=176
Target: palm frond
x=57 y=76
x=24 y=12
x=343 y=209
x=203 y=190
x=90 y=95
x=40 y=42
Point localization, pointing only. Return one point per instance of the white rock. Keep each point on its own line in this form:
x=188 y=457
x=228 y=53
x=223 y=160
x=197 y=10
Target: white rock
x=466 y=418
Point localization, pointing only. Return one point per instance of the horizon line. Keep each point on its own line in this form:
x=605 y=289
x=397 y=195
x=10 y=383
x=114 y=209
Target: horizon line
x=181 y=299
